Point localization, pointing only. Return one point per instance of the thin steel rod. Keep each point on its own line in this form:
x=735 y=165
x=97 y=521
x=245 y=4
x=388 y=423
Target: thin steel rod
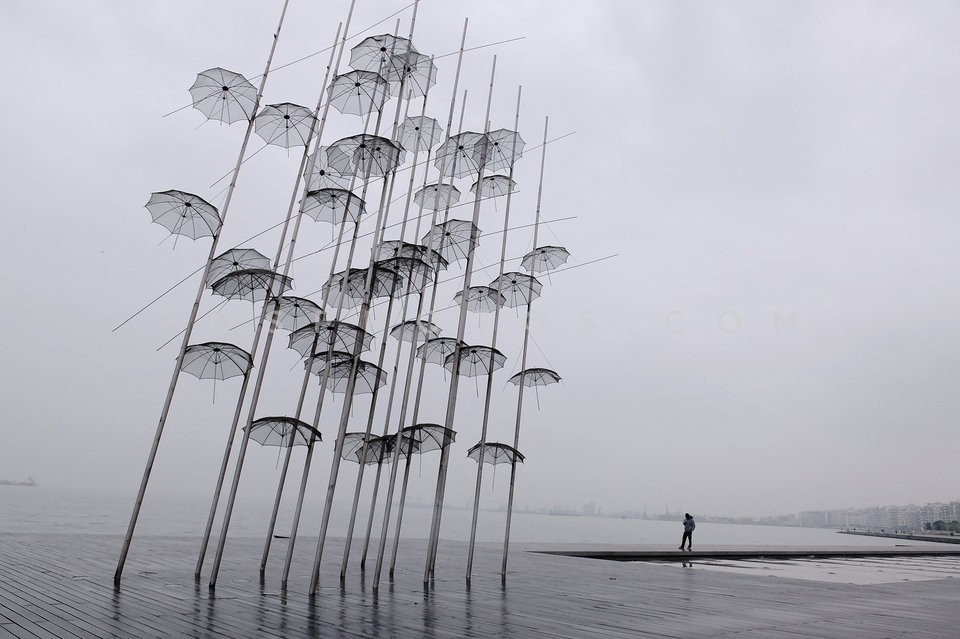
x=523 y=365
x=168 y=400
x=493 y=346
x=382 y=215
x=303 y=390
x=455 y=372
x=433 y=301
x=264 y=358
x=416 y=329
x=338 y=444
x=231 y=433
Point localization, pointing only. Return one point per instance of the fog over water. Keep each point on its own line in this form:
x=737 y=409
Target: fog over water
x=776 y=333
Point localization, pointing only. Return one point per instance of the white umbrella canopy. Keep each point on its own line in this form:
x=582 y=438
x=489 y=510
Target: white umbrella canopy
x=223 y=95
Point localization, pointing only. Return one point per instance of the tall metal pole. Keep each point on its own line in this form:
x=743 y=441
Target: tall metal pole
x=351 y=380
x=231 y=433
x=433 y=301
x=261 y=371
x=455 y=373
x=493 y=346
x=303 y=390
x=523 y=361
x=394 y=380
x=195 y=309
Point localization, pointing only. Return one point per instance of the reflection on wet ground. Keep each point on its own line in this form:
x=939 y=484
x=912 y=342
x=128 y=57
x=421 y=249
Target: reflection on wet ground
x=881 y=570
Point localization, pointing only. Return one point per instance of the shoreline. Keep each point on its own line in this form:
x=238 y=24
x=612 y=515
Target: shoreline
x=940 y=539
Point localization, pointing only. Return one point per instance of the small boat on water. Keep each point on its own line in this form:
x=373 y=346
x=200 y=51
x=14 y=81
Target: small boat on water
x=29 y=482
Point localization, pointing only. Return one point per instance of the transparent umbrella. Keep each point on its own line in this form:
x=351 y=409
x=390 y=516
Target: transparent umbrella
x=296 y=312
x=462 y=154
x=216 y=361
x=327 y=334
x=437 y=196
x=504 y=147
x=517 y=288
x=333 y=205
x=453 y=239
x=481 y=299
x=368 y=377
x=223 y=95
x=544 y=258
x=475 y=361
x=494 y=186
x=285 y=124
x=252 y=284
x=358 y=92
x=282 y=431
x=321 y=174
x=424 y=330
x=419 y=131
x=364 y=155
x=184 y=213
x=233 y=260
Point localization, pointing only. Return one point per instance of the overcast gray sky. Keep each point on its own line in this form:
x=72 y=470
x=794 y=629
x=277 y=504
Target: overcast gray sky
x=777 y=333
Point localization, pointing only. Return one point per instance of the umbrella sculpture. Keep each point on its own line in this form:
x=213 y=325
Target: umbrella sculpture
x=428 y=437
x=481 y=299
x=504 y=147
x=399 y=248
x=330 y=347
x=253 y=284
x=321 y=174
x=419 y=74
x=351 y=286
x=221 y=108
x=285 y=124
x=216 y=361
x=236 y=259
x=419 y=132
x=424 y=330
x=413 y=274
x=494 y=453
x=475 y=361
x=369 y=376
x=437 y=196
x=282 y=431
x=494 y=186
x=523 y=360
x=437 y=349
x=296 y=312
x=184 y=213
x=517 y=288
x=319 y=362
x=454 y=240
x=535 y=377
x=364 y=155
x=386 y=54
x=224 y=95
x=420 y=438
x=462 y=154
x=358 y=92
x=329 y=334
x=333 y=205
x=544 y=258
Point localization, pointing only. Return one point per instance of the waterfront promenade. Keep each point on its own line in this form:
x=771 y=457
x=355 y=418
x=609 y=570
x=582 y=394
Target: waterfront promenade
x=56 y=586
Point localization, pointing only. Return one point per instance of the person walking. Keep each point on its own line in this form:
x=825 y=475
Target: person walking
x=688 y=525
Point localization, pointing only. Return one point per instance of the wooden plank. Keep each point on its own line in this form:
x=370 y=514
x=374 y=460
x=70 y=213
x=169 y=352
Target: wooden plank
x=62 y=586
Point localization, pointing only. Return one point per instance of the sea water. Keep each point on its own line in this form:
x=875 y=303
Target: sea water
x=43 y=509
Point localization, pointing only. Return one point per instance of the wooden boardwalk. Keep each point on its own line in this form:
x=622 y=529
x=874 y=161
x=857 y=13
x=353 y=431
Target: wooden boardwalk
x=60 y=586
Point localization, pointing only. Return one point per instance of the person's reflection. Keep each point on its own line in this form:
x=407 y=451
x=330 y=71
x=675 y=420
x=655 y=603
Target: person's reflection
x=687 y=564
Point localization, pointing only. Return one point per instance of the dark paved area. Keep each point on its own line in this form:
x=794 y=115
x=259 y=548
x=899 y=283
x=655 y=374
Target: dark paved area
x=62 y=586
